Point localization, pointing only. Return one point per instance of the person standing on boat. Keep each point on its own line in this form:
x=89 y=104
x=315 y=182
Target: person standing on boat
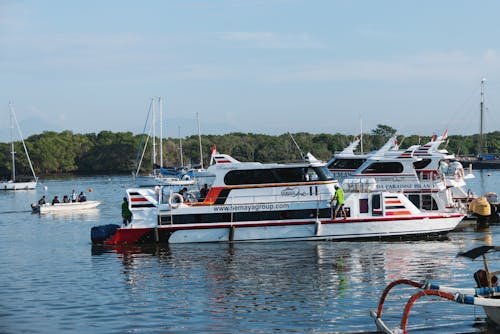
x=126 y=214
x=339 y=197
x=66 y=199
x=73 y=196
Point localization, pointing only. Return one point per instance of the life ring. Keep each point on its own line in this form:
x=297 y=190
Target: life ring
x=175 y=200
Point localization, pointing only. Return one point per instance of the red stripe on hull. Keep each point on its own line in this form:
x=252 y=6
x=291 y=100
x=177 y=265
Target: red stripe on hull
x=125 y=236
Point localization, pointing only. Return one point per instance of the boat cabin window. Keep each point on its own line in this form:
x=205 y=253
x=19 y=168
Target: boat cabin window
x=383 y=167
x=363 y=205
x=421 y=164
x=346 y=163
x=424 y=202
x=376 y=205
x=277 y=175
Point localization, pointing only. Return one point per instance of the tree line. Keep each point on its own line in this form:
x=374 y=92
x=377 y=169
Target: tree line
x=55 y=153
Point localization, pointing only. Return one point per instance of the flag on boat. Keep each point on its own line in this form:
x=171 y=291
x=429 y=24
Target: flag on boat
x=214 y=152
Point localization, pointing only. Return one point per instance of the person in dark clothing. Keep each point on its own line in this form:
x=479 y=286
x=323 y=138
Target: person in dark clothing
x=55 y=200
x=204 y=191
x=126 y=213
x=82 y=197
x=42 y=200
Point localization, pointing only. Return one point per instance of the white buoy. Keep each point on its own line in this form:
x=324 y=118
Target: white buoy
x=317 y=230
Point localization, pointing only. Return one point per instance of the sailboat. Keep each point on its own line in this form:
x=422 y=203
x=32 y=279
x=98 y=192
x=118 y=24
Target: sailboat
x=15 y=183
x=484 y=160
x=159 y=175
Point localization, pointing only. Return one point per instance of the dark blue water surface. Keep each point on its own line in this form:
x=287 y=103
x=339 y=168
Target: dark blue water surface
x=52 y=280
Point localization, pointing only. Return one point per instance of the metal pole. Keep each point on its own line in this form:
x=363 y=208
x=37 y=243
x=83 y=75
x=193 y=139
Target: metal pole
x=199 y=137
x=481 y=137
x=153 y=130
x=12 y=142
x=160 y=101
x=180 y=147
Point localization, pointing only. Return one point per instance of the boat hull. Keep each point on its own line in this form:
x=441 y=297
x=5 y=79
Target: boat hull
x=9 y=185
x=493 y=314
x=287 y=230
x=66 y=207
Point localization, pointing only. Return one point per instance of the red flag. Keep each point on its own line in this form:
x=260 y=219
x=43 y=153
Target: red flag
x=214 y=152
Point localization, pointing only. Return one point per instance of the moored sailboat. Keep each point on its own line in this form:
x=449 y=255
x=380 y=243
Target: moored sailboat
x=17 y=183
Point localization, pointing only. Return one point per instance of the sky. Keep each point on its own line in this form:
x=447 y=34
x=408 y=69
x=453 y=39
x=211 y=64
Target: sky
x=257 y=66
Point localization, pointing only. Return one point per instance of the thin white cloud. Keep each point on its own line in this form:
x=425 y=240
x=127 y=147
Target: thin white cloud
x=455 y=65
x=377 y=33
x=272 y=40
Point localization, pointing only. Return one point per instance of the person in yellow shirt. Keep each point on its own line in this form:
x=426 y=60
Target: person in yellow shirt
x=339 y=206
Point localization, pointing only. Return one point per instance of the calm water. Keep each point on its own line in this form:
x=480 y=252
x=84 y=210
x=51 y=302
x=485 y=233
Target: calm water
x=53 y=281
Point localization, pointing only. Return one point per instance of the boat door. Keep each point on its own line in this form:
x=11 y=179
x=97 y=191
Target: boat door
x=377 y=208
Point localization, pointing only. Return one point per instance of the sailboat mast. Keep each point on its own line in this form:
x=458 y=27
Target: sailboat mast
x=481 y=107
x=153 y=130
x=12 y=142
x=361 y=134
x=160 y=101
x=180 y=147
x=199 y=138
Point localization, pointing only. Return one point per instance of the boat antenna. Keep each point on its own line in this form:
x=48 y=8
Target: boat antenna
x=199 y=138
x=298 y=147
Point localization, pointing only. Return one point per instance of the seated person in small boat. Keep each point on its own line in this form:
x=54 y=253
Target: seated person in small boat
x=66 y=199
x=82 y=197
x=73 y=196
x=42 y=200
x=481 y=278
x=55 y=200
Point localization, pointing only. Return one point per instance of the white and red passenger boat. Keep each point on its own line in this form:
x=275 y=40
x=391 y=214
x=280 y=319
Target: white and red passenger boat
x=422 y=172
x=251 y=201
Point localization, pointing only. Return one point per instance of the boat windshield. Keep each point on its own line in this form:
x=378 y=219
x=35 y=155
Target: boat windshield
x=346 y=163
x=323 y=173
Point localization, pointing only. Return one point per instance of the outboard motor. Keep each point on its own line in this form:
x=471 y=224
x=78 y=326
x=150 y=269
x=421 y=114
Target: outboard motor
x=99 y=234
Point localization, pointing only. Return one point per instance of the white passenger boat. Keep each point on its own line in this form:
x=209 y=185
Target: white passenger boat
x=422 y=172
x=250 y=201
x=486 y=293
x=64 y=207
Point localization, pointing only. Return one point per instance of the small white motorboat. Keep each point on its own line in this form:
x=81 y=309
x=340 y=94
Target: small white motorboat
x=64 y=207
x=485 y=294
